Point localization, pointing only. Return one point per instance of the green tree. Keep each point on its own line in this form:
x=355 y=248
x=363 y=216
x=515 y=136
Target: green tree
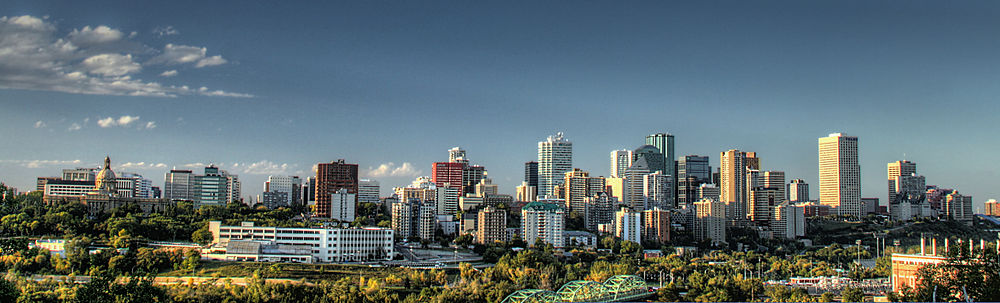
x=852 y=295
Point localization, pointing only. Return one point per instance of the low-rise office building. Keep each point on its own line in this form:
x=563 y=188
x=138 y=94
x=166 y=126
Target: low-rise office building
x=326 y=244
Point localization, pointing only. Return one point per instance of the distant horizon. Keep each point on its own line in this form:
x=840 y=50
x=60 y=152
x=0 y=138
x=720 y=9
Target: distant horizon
x=276 y=89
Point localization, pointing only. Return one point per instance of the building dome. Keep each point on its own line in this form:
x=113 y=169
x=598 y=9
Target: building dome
x=106 y=182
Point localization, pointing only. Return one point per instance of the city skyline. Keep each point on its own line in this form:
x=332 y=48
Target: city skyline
x=279 y=100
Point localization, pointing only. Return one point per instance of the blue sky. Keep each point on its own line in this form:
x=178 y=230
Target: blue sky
x=396 y=84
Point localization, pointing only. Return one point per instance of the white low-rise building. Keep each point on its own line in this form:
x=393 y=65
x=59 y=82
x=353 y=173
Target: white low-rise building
x=327 y=244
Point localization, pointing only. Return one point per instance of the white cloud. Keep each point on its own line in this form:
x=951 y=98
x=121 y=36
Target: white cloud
x=40 y=124
x=264 y=167
x=194 y=165
x=91 y=60
x=169 y=73
x=166 y=31
x=96 y=35
x=111 y=65
x=42 y=163
x=391 y=170
x=74 y=127
x=182 y=54
x=123 y=121
x=142 y=165
x=150 y=125
x=210 y=61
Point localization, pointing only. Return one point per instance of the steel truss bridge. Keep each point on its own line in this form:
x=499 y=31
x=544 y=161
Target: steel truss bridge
x=617 y=288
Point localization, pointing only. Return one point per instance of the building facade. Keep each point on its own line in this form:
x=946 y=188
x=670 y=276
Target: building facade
x=555 y=158
x=840 y=174
x=542 y=221
x=330 y=178
x=628 y=225
x=692 y=172
x=491 y=225
x=326 y=244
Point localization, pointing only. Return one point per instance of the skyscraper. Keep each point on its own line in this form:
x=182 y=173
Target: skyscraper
x=628 y=225
x=620 y=160
x=577 y=186
x=471 y=175
x=798 y=191
x=179 y=185
x=840 y=174
x=330 y=178
x=531 y=173
x=542 y=221
x=654 y=159
x=656 y=225
x=555 y=158
x=291 y=185
x=659 y=190
x=732 y=183
x=448 y=174
x=491 y=225
x=634 y=191
x=457 y=155
x=692 y=172
x=710 y=221
x=342 y=205
x=665 y=143
x=368 y=191
x=895 y=171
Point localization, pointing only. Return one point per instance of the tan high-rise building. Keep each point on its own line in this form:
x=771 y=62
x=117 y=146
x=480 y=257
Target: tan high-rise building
x=526 y=193
x=656 y=225
x=895 y=171
x=958 y=207
x=733 y=182
x=762 y=203
x=991 y=208
x=840 y=174
x=798 y=191
x=710 y=221
x=578 y=185
x=491 y=225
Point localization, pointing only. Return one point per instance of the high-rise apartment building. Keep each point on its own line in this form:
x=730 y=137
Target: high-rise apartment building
x=762 y=203
x=776 y=180
x=789 y=221
x=526 y=193
x=542 y=221
x=665 y=144
x=659 y=190
x=991 y=208
x=555 y=158
x=291 y=185
x=708 y=191
x=330 y=178
x=733 y=168
x=342 y=205
x=958 y=207
x=620 y=161
x=472 y=175
x=656 y=225
x=215 y=187
x=692 y=172
x=710 y=221
x=895 y=171
x=448 y=200
x=414 y=218
x=368 y=191
x=798 y=191
x=840 y=174
x=448 y=174
x=599 y=209
x=577 y=186
x=628 y=225
x=491 y=225
x=309 y=191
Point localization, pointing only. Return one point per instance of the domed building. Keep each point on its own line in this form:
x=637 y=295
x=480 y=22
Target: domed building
x=106 y=183
x=105 y=197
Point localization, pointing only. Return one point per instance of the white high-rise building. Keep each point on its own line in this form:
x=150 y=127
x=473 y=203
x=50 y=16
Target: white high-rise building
x=628 y=225
x=284 y=184
x=620 y=161
x=342 y=206
x=659 y=189
x=840 y=174
x=789 y=221
x=544 y=221
x=798 y=191
x=368 y=191
x=555 y=158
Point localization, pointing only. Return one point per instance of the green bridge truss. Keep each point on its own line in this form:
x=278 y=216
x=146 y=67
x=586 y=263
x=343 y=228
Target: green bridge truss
x=617 y=288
